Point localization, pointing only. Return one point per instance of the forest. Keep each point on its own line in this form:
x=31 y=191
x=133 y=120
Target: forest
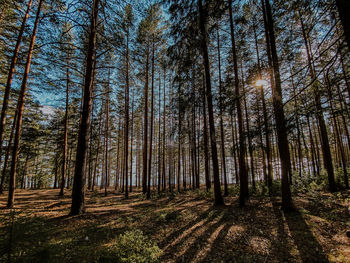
x=174 y=131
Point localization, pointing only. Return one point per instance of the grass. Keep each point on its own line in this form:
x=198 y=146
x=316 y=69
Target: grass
x=177 y=228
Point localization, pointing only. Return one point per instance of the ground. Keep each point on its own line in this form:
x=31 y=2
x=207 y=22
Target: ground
x=185 y=226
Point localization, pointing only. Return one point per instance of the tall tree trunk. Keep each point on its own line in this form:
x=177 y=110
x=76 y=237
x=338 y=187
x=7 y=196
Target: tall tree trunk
x=9 y=80
x=126 y=129
x=159 y=135
x=164 y=131
x=281 y=128
x=327 y=156
x=7 y=155
x=65 y=135
x=337 y=134
x=223 y=157
x=131 y=139
x=78 y=193
x=20 y=108
x=151 y=128
x=205 y=142
x=107 y=134
x=243 y=174
x=145 y=130
x=214 y=153
x=250 y=146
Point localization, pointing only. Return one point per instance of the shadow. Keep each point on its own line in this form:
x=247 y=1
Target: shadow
x=309 y=248
x=280 y=246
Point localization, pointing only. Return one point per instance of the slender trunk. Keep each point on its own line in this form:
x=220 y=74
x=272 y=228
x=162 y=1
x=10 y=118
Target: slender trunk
x=281 y=128
x=223 y=157
x=107 y=135
x=205 y=143
x=131 y=138
x=10 y=78
x=151 y=128
x=337 y=134
x=78 y=192
x=250 y=146
x=65 y=136
x=20 y=108
x=243 y=174
x=7 y=155
x=214 y=154
x=145 y=130
x=327 y=156
x=164 y=131
x=126 y=129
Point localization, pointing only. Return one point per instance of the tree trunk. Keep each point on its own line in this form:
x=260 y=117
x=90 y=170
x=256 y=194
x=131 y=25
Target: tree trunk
x=145 y=130
x=151 y=128
x=281 y=129
x=343 y=8
x=10 y=78
x=327 y=156
x=78 y=193
x=223 y=157
x=243 y=175
x=65 y=136
x=20 y=108
x=217 y=189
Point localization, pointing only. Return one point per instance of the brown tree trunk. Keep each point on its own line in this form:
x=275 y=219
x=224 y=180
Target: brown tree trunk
x=151 y=128
x=223 y=157
x=78 y=193
x=145 y=130
x=7 y=155
x=65 y=136
x=205 y=142
x=327 y=156
x=243 y=174
x=20 y=108
x=9 y=80
x=281 y=129
x=214 y=154
x=107 y=135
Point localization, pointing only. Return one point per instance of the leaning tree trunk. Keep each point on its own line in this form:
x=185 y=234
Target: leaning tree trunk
x=327 y=156
x=78 y=193
x=9 y=81
x=214 y=152
x=20 y=108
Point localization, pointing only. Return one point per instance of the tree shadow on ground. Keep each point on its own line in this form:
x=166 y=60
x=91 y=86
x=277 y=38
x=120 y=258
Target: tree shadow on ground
x=309 y=248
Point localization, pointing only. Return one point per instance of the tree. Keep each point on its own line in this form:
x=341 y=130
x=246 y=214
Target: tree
x=277 y=99
x=20 y=107
x=9 y=83
x=202 y=24
x=84 y=127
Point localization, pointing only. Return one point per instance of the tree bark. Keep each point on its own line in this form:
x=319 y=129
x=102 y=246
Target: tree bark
x=78 y=193
x=20 y=108
x=243 y=174
x=281 y=129
x=218 y=199
x=10 y=78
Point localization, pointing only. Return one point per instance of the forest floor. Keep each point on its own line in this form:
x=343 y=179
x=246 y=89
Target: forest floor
x=185 y=226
